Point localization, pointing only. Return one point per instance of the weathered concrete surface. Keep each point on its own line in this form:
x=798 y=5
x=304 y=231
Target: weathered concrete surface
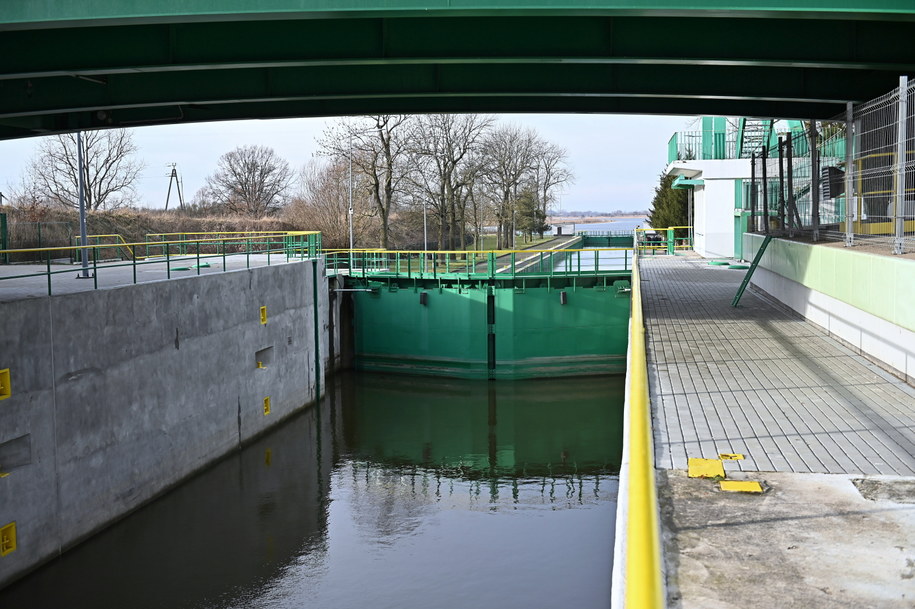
x=811 y=542
x=124 y=392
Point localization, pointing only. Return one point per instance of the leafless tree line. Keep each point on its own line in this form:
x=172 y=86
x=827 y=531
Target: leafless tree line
x=446 y=176
x=438 y=179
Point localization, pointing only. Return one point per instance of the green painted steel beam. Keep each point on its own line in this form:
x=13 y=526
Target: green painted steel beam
x=29 y=12
x=121 y=63
x=63 y=94
x=360 y=42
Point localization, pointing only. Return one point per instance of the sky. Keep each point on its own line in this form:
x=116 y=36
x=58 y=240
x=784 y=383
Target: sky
x=616 y=159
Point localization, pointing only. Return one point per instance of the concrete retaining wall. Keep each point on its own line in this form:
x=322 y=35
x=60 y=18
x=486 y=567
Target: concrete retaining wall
x=119 y=394
x=864 y=299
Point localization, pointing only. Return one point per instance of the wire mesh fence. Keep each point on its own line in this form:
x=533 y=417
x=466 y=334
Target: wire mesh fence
x=26 y=235
x=820 y=184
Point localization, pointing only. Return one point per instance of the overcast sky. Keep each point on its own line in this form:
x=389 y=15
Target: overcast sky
x=616 y=159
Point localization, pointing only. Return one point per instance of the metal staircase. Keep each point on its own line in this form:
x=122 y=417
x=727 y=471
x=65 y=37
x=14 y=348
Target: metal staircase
x=752 y=135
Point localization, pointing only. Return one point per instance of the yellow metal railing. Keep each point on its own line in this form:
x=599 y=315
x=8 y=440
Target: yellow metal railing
x=119 y=242
x=290 y=244
x=664 y=238
x=643 y=579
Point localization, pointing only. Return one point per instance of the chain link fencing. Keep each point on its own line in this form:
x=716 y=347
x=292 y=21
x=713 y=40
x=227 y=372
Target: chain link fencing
x=818 y=184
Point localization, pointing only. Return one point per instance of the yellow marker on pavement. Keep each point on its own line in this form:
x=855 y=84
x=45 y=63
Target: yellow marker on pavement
x=740 y=486
x=705 y=468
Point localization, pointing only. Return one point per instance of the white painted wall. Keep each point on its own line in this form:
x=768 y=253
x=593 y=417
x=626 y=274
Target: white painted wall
x=713 y=215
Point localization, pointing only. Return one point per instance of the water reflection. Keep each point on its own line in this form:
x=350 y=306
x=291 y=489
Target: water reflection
x=398 y=492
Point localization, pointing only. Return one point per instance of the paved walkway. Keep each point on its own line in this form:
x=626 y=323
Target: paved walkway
x=811 y=418
x=761 y=381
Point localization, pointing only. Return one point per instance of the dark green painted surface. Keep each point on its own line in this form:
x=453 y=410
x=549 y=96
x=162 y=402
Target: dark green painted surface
x=607 y=240
x=534 y=333
x=448 y=336
x=537 y=336
x=70 y=65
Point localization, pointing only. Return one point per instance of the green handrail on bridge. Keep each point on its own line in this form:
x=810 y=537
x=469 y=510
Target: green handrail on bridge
x=473 y=264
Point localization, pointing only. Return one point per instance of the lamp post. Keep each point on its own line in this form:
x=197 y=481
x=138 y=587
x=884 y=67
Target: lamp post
x=425 y=237
x=83 y=233
x=350 y=214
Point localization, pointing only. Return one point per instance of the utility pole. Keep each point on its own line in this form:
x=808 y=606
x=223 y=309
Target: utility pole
x=173 y=176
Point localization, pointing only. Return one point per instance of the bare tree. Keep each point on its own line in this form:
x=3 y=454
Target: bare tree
x=376 y=146
x=510 y=155
x=550 y=174
x=251 y=180
x=110 y=169
x=442 y=150
x=323 y=204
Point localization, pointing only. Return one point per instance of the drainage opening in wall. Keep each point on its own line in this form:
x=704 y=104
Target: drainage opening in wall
x=264 y=357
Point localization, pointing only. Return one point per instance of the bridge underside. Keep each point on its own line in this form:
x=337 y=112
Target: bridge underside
x=67 y=66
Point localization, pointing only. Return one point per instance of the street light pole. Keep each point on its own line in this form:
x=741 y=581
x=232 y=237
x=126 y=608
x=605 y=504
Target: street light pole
x=83 y=233
x=351 y=195
x=351 y=203
x=425 y=236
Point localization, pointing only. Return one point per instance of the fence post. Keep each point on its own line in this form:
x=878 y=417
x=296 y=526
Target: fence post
x=781 y=183
x=899 y=207
x=764 y=207
x=851 y=204
x=794 y=218
x=814 y=180
x=752 y=193
x=4 y=240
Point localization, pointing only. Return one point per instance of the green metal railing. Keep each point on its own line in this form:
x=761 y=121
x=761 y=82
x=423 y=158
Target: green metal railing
x=175 y=254
x=478 y=264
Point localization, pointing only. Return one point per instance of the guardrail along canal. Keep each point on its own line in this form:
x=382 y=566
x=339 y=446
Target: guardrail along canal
x=398 y=492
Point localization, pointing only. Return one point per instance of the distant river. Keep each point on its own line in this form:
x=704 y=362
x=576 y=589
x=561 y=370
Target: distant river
x=625 y=224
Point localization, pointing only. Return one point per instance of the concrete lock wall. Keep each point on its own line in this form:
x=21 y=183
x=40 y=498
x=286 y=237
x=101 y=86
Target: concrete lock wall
x=118 y=395
x=864 y=299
